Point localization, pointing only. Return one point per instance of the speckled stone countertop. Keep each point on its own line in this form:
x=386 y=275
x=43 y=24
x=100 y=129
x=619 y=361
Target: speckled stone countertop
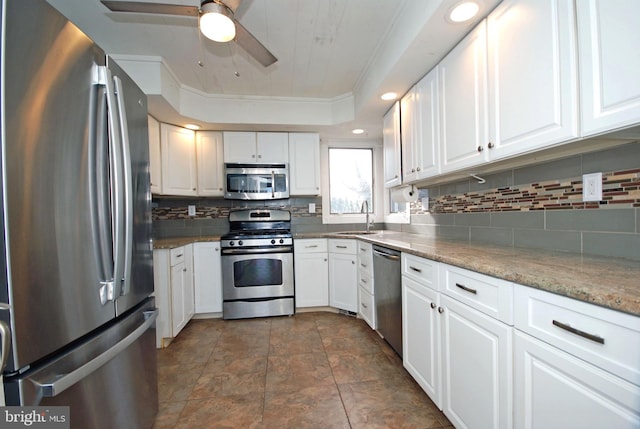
x=609 y=282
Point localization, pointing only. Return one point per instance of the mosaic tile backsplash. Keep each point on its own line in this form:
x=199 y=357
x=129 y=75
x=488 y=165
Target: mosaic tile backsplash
x=619 y=189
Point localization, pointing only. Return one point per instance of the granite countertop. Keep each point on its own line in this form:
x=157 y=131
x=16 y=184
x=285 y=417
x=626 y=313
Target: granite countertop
x=609 y=282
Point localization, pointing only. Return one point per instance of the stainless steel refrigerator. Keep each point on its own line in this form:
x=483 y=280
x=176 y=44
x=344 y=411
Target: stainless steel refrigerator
x=77 y=278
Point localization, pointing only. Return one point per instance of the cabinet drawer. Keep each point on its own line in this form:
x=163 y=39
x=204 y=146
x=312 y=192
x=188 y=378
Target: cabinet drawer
x=489 y=295
x=365 y=280
x=342 y=246
x=310 y=245
x=177 y=255
x=606 y=338
x=420 y=269
x=365 y=256
x=367 y=307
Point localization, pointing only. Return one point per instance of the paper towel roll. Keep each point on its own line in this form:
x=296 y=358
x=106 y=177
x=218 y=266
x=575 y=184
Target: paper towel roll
x=404 y=194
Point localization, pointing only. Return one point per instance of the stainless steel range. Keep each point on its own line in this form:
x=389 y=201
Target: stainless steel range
x=257 y=265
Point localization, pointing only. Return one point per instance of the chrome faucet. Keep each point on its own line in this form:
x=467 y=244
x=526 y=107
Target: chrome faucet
x=365 y=209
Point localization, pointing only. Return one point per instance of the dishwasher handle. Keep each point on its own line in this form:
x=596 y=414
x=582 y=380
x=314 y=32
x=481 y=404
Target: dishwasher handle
x=386 y=255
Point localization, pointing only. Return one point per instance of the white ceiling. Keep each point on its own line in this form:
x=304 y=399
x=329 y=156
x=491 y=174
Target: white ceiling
x=329 y=50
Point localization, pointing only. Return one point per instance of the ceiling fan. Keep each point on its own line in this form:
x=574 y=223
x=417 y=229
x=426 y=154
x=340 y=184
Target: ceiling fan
x=215 y=15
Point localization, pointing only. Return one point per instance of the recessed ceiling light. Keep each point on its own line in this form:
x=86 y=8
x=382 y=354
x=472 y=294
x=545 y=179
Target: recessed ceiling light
x=357 y=131
x=192 y=126
x=389 y=96
x=463 y=11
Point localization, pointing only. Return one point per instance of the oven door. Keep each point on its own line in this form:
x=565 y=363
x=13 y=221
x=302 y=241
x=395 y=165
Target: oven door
x=252 y=273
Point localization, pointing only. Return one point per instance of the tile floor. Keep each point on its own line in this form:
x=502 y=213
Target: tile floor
x=312 y=370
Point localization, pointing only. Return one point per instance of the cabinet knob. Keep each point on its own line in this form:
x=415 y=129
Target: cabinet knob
x=253 y=156
x=413 y=170
x=325 y=259
x=259 y=156
x=184 y=270
x=418 y=169
x=440 y=310
x=194 y=189
x=491 y=145
x=480 y=148
x=433 y=305
x=353 y=262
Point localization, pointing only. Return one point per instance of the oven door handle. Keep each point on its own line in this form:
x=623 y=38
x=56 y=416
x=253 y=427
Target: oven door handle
x=279 y=249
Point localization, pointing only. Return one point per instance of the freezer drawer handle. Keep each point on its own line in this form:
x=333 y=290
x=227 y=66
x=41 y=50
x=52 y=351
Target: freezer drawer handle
x=575 y=331
x=60 y=383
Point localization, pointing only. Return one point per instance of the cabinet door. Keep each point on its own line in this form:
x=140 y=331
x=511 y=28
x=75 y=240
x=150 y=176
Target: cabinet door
x=304 y=164
x=210 y=163
x=239 y=147
x=421 y=337
x=477 y=368
x=463 y=102
x=554 y=389
x=427 y=144
x=391 y=147
x=312 y=279
x=179 y=297
x=207 y=277
x=608 y=40
x=178 y=160
x=272 y=148
x=533 y=98
x=409 y=123
x=155 y=158
x=343 y=287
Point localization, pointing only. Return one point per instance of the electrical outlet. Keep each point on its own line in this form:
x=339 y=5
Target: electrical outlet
x=312 y=207
x=191 y=210
x=592 y=187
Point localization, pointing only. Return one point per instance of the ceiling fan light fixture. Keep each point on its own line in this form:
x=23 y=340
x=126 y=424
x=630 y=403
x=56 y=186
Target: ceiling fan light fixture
x=216 y=23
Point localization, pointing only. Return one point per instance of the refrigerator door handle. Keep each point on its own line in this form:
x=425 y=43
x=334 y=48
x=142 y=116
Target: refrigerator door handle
x=61 y=382
x=117 y=196
x=5 y=340
x=128 y=187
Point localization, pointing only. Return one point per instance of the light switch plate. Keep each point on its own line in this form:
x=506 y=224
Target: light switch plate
x=592 y=187
x=191 y=210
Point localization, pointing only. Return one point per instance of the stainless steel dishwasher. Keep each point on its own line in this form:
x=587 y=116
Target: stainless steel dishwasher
x=388 y=295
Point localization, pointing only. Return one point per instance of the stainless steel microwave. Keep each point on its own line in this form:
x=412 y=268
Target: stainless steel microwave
x=256 y=181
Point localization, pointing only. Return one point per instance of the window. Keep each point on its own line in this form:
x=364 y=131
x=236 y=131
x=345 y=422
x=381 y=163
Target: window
x=350 y=179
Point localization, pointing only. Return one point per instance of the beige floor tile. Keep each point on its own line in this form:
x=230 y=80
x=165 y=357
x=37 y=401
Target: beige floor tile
x=290 y=373
x=239 y=411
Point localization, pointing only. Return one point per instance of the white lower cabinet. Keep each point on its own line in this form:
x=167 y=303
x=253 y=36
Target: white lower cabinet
x=343 y=275
x=311 y=270
x=421 y=337
x=554 y=389
x=207 y=277
x=476 y=367
x=173 y=278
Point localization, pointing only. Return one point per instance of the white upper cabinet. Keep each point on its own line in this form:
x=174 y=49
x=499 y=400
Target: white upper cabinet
x=428 y=143
x=155 y=158
x=391 y=147
x=178 y=161
x=609 y=56
x=532 y=76
x=256 y=148
x=209 y=162
x=304 y=166
x=409 y=123
x=463 y=102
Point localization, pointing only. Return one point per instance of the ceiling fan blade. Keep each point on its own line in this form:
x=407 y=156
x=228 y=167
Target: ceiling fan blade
x=253 y=46
x=231 y=4
x=140 y=7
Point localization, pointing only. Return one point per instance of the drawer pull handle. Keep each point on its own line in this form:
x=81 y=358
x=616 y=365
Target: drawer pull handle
x=417 y=270
x=310 y=246
x=341 y=247
x=583 y=334
x=433 y=305
x=364 y=280
x=363 y=265
x=467 y=289
x=364 y=305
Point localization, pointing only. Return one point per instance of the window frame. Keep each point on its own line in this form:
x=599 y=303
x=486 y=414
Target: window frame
x=377 y=211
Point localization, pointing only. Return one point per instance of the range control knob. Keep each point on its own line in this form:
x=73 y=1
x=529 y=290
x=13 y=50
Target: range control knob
x=273 y=241
x=281 y=241
x=231 y=243
x=240 y=243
